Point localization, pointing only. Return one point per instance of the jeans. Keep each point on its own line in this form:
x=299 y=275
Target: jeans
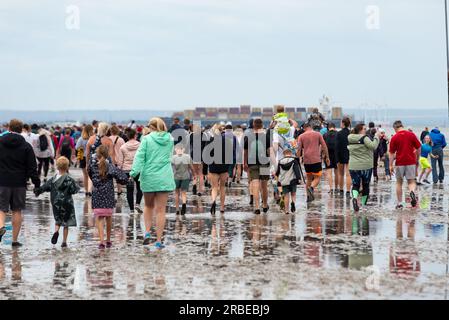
x=437 y=174
x=361 y=178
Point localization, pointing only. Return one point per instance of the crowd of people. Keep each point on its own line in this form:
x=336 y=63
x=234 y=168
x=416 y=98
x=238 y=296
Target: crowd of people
x=151 y=162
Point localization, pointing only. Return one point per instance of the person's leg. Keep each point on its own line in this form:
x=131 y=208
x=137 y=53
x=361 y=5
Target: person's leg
x=441 y=166
x=329 y=178
x=255 y=191
x=201 y=179
x=161 y=203
x=428 y=171
x=399 y=182
x=148 y=211
x=316 y=181
x=139 y=194
x=366 y=179
x=214 y=181
x=223 y=179
x=309 y=180
x=184 y=197
x=130 y=194
x=287 y=202
x=356 y=183
x=100 y=228
x=40 y=163
x=434 y=170
x=376 y=163
x=264 y=190
x=2 y=218
x=177 y=193
x=348 y=178
x=65 y=235
x=336 y=181
x=108 y=228
x=341 y=175
x=387 y=166
x=46 y=166
x=16 y=224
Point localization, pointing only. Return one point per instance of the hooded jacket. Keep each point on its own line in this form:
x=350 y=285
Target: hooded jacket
x=288 y=171
x=153 y=162
x=49 y=152
x=125 y=156
x=438 y=139
x=361 y=151
x=17 y=162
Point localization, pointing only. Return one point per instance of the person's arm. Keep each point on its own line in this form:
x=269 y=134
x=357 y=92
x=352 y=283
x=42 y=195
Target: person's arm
x=444 y=141
x=73 y=187
x=139 y=159
x=31 y=168
x=299 y=152
x=245 y=153
x=371 y=144
x=120 y=158
x=46 y=187
x=392 y=154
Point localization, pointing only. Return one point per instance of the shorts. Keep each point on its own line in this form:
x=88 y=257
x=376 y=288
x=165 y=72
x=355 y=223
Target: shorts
x=289 y=189
x=333 y=161
x=231 y=170
x=313 y=169
x=12 y=198
x=259 y=172
x=83 y=163
x=424 y=162
x=343 y=157
x=182 y=184
x=409 y=172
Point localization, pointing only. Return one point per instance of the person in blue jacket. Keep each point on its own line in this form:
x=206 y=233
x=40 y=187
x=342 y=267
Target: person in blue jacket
x=439 y=143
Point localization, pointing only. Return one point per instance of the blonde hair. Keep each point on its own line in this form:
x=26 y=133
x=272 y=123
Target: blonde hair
x=62 y=163
x=216 y=129
x=102 y=156
x=102 y=129
x=145 y=131
x=157 y=124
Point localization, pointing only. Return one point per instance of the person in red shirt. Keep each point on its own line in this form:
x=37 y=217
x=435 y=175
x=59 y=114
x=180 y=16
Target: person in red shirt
x=405 y=150
x=311 y=146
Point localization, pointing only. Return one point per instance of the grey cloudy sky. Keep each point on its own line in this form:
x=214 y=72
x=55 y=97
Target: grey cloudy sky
x=172 y=54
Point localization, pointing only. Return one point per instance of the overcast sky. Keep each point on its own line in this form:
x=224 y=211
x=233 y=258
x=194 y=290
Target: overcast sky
x=172 y=54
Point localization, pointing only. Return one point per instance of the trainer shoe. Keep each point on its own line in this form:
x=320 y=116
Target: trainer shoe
x=414 y=201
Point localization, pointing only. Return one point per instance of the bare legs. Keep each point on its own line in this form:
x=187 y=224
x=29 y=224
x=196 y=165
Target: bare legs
x=343 y=171
x=155 y=203
x=218 y=182
x=100 y=227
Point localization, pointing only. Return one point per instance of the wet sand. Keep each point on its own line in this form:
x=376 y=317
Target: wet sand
x=324 y=251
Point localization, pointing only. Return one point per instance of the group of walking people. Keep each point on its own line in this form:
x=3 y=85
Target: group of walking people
x=154 y=162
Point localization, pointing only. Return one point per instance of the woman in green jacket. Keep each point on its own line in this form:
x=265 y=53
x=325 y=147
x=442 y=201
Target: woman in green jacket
x=153 y=162
x=361 y=153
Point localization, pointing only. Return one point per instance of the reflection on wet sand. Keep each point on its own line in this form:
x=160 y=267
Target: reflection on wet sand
x=238 y=254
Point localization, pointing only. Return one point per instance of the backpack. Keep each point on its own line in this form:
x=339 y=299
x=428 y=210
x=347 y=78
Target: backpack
x=65 y=146
x=43 y=142
x=331 y=140
x=288 y=141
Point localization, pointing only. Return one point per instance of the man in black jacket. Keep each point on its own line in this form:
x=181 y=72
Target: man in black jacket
x=17 y=165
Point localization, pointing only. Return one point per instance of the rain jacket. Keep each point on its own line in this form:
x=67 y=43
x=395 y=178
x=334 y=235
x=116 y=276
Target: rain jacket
x=103 y=195
x=125 y=156
x=361 y=151
x=438 y=139
x=153 y=162
x=288 y=171
x=61 y=191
